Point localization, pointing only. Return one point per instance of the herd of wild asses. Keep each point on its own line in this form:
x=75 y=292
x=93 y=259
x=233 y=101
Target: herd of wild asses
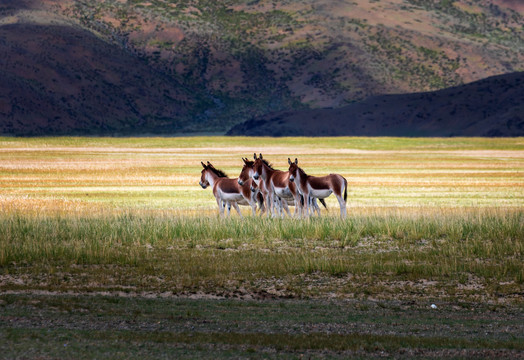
x=273 y=190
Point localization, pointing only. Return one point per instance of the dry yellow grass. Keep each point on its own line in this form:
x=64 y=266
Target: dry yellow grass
x=76 y=174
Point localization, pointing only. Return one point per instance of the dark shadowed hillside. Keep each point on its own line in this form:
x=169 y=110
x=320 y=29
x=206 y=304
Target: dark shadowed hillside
x=490 y=107
x=60 y=79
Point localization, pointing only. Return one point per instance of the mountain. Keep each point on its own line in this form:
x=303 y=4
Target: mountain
x=62 y=79
x=163 y=67
x=489 y=107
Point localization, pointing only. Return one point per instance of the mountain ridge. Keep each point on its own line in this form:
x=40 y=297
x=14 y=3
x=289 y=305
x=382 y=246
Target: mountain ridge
x=489 y=107
x=206 y=66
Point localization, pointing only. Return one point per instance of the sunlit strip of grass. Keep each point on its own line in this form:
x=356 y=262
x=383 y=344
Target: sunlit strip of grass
x=366 y=143
x=164 y=229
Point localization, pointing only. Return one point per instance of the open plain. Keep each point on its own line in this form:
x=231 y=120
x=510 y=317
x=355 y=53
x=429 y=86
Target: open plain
x=109 y=248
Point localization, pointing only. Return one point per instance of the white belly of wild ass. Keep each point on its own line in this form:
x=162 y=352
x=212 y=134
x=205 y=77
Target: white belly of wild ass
x=320 y=194
x=231 y=196
x=283 y=192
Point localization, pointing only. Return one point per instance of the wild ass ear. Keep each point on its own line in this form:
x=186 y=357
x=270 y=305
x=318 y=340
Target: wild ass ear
x=261 y=155
x=203 y=165
x=210 y=165
x=296 y=161
x=255 y=156
x=289 y=161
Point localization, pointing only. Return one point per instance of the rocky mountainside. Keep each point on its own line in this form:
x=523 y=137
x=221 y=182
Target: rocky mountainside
x=489 y=107
x=165 y=66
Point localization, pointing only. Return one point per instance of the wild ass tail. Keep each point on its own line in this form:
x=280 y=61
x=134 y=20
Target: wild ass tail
x=345 y=190
x=260 y=200
x=323 y=202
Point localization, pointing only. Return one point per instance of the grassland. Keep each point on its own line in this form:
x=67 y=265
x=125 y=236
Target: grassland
x=138 y=328
x=109 y=225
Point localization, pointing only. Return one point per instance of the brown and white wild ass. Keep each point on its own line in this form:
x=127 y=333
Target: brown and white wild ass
x=247 y=173
x=228 y=191
x=245 y=176
x=280 y=189
x=312 y=187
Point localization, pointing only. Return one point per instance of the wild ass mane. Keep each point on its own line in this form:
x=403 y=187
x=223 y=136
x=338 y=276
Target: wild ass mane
x=268 y=164
x=217 y=172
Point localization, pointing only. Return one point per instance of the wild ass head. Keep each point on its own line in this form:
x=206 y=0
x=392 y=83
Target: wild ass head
x=259 y=166
x=209 y=174
x=293 y=169
x=247 y=171
x=203 y=176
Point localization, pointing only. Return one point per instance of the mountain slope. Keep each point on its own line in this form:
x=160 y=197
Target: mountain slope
x=133 y=67
x=489 y=107
x=319 y=52
x=60 y=79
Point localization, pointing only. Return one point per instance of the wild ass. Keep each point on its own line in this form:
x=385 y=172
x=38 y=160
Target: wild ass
x=245 y=177
x=312 y=187
x=227 y=191
x=247 y=173
x=280 y=189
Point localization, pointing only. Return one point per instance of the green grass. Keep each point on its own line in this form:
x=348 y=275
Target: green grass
x=75 y=326
x=202 y=253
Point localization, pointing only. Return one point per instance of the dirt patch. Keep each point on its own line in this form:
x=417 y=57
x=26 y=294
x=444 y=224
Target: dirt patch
x=516 y=5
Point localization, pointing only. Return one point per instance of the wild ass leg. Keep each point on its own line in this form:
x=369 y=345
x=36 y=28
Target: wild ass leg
x=307 y=204
x=342 y=203
x=298 y=205
x=221 y=205
x=277 y=205
x=316 y=208
x=285 y=207
x=270 y=204
x=253 y=203
x=310 y=208
x=235 y=205
x=263 y=206
x=341 y=197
